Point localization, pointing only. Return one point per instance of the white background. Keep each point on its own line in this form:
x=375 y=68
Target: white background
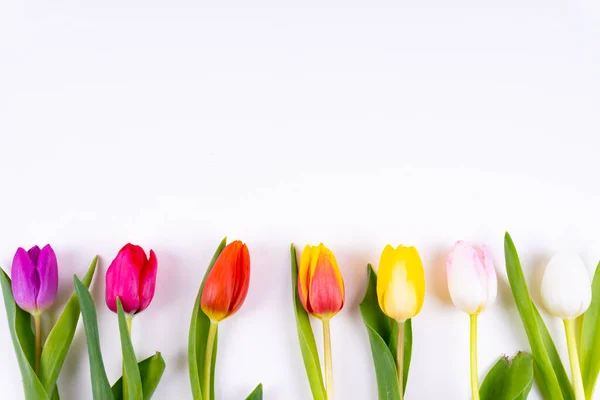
x=172 y=124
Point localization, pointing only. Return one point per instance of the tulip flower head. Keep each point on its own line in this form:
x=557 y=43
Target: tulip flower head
x=34 y=277
x=566 y=286
x=320 y=283
x=400 y=282
x=227 y=284
x=132 y=278
x=472 y=278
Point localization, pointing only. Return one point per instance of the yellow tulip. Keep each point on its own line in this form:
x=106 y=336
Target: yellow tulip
x=400 y=282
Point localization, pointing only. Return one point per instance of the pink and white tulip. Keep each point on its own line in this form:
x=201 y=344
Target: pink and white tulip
x=472 y=278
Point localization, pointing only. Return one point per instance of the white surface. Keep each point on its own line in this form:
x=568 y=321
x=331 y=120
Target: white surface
x=353 y=123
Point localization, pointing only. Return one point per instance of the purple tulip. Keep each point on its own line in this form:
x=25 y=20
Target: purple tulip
x=34 y=277
x=131 y=277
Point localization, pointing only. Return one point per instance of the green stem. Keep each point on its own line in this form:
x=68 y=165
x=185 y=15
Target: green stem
x=400 y=358
x=328 y=362
x=37 y=322
x=210 y=345
x=474 y=369
x=574 y=359
x=129 y=320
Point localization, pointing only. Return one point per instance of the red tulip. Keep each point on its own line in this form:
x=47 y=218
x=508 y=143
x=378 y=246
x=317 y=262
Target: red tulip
x=227 y=284
x=131 y=277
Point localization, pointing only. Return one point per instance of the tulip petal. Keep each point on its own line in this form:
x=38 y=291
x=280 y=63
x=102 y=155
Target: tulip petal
x=34 y=254
x=242 y=279
x=123 y=279
x=490 y=273
x=47 y=268
x=148 y=281
x=415 y=275
x=326 y=293
x=304 y=277
x=218 y=289
x=25 y=281
x=384 y=273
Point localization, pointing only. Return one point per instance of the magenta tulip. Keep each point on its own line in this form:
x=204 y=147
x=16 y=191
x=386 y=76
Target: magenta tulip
x=34 y=277
x=132 y=278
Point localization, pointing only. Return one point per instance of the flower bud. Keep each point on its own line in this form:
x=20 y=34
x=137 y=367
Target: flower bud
x=320 y=283
x=400 y=282
x=227 y=284
x=132 y=278
x=472 y=278
x=566 y=286
x=34 y=277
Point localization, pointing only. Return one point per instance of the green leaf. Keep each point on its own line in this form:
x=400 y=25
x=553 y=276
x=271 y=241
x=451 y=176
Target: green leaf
x=131 y=373
x=19 y=324
x=559 y=369
x=257 y=394
x=151 y=371
x=590 y=339
x=383 y=336
x=546 y=369
x=199 y=336
x=100 y=385
x=509 y=380
x=61 y=336
x=495 y=382
x=308 y=346
x=520 y=377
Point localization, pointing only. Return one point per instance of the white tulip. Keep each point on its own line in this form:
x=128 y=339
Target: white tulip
x=471 y=278
x=566 y=286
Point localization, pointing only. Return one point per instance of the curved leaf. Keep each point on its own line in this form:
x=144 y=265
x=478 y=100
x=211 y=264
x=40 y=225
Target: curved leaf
x=132 y=381
x=19 y=323
x=590 y=339
x=151 y=371
x=199 y=336
x=100 y=385
x=383 y=336
x=520 y=377
x=257 y=394
x=547 y=376
x=559 y=369
x=61 y=336
x=495 y=381
x=308 y=346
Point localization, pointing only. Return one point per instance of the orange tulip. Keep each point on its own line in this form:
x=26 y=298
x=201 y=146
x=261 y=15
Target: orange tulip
x=227 y=284
x=320 y=283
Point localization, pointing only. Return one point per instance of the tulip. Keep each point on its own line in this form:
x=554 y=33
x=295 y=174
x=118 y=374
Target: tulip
x=567 y=293
x=400 y=282
x=34 y=276
x=321 y=291
x=320 y=283
x=224 y=292
x=473 y=286
x=400 y=292
x=566 y=286
x=132 y=278
x=227 y=284
x=471 y=278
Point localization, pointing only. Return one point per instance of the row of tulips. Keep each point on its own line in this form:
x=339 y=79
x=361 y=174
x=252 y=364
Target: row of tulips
x=130 y=285
x=395 y=295
x=393 y=298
